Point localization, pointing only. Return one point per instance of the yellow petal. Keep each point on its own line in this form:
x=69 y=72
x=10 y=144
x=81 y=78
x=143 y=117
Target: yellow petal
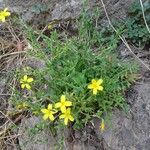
x=45 y=111
x=63 y=98
x=45 y=116
x=90 y=86
x=71 y=118
x=28 y=86
x=62 y=116
x=66 y=121
x=68 y=103
x=68 y=111
x=25 y=77
x=25 y=105
x=63 y=109
x=22 y=86
x=7 y=14
x=102 y=126
x=93 y=81
x=50 y=26
x=49 y=106
x=51 y=117
x=94 y=91
x=3 y=19
x=21 y=81
x=100 y=81
x=54 y=112
x=100 y=88
x=5 y=9
x=30 y=80
x=57 y=105
x=19 y=106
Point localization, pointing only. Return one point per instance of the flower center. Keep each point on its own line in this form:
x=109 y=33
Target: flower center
x=63 y=103
x=49 y=112
x=95 y=86
x=25 y=82
x=67 y=115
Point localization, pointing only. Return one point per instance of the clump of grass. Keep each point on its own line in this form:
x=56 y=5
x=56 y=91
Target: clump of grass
x=84 y=68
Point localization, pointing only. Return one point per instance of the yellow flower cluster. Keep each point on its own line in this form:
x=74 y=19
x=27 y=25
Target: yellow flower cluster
x=22 y=106
x=25 y=82
x=95 y=86
x=3 y=14
x=62 y=105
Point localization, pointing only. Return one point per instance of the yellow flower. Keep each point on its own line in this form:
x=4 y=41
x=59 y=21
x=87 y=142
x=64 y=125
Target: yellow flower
x=51 y=25
x=22 y=106
x=96 y=86
x=66 y=116
x=48 y=113
x=63 y=104
x=25 y=82
x=4 y=14
x=102 y=125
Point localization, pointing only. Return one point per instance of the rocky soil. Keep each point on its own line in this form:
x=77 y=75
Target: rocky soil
x=36 y=10
x=129 y=131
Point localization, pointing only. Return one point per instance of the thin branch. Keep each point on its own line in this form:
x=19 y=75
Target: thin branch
x=13 y=53
x=41 y=33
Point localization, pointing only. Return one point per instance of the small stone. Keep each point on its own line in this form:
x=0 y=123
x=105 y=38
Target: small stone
x=131 y=131
x=77 y=146
x=124 y=52
x=35 y=63
x=32 y=139
x=147 y=144
x=64 y=10
x=127 y=137
x=77 y=134
x=84 y=137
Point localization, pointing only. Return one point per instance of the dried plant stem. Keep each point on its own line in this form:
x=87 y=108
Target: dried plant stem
x=13 y=53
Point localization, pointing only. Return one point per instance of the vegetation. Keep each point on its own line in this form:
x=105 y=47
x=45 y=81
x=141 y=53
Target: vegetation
x=82 y=77
x=136 y=30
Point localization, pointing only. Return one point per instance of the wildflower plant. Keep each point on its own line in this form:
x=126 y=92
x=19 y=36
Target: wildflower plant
x=83 y=71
